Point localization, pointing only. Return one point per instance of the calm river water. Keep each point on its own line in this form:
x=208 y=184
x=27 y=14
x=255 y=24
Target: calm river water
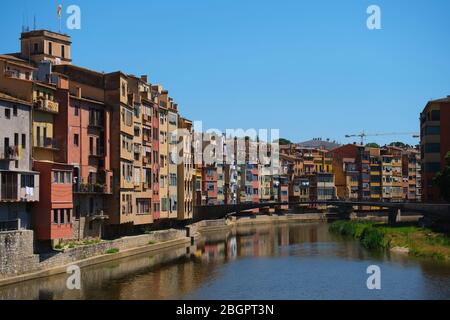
x=291 y=261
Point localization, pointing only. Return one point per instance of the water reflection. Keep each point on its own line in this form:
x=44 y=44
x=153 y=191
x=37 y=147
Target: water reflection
x=288 y=261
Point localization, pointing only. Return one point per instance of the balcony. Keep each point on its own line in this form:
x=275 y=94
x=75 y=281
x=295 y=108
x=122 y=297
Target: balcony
x=146 y=118
x=46 y=143
x=91 y=188
x=10 y=154
x=146 y=161
x=99 y=153
x=96 y=123
x=10 y=225
x=46 y=105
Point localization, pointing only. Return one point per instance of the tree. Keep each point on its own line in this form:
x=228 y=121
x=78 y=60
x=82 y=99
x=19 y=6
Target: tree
x=373 y=145
x=442 y=179
x=284 y=142
x=399 y=144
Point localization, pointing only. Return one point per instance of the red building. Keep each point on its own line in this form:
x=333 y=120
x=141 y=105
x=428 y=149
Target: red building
x=435 y=143
x=52 y=215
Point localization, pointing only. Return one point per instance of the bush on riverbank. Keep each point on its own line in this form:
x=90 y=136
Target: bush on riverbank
x=420 y=242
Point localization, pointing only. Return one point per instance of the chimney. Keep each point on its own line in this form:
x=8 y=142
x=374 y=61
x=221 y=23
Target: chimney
x=144 y=78
x=79 y=92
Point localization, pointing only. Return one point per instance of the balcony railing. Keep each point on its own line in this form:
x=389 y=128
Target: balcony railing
x=11 y=153
x=47 y=143
x=91 y=188
x=46 y=105
x=96 y=122
x=10 y=225
x=99 y=153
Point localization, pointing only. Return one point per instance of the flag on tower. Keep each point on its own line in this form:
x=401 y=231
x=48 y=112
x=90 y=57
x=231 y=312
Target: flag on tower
x=59 y=11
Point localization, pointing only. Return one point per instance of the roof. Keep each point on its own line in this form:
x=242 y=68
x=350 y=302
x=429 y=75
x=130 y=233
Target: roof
x=441 y=100
x=13 y=58
x=9 y=98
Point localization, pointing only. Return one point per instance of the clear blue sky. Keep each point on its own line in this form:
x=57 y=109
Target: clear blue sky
x=309 y=68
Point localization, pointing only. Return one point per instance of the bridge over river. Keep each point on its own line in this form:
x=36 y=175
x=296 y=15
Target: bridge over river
x=437 y=212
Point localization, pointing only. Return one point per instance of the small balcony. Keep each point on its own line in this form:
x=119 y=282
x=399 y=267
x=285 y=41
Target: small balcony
x=146 y=161
x=91 y=188
x=46 y=105
x=10 y=225
x=46 y=143
x=98 y=153
x=96 y=123
x=10 y=154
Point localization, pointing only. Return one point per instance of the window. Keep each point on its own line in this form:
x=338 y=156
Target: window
x=68 y=177
x=432 y=130
x=24 y=141
x=55 y=216
x=55 y=177
x=50 y=48
x=76 y=110
x=36 y=48
x=63 y=51
x=432 y=147
x=432 y=167
x=8 y=113
x=15 y=111
x=164 y=204
x=61 y=216
x=16 y=139
x=27 y=180
x=436 y=115
x=61 y=177
x=173 y=179
x=76 y=139
x=68 y=216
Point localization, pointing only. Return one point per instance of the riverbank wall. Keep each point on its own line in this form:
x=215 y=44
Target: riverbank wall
x=19 y=263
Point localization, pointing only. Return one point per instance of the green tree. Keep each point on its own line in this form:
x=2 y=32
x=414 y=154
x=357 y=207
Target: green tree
x=372 y=145
x=284 y=142
x=442 y=179
x=399 y=144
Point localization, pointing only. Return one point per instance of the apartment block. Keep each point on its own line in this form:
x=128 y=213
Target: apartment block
x=19 y=184
x=411 y=175
x=186 y=173
x=434 y=144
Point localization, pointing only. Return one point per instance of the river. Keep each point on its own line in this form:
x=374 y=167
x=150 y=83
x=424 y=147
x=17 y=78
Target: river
x=289 y=261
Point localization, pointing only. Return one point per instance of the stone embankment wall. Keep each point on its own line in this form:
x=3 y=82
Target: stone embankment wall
x=17 y=258
x=17 y=253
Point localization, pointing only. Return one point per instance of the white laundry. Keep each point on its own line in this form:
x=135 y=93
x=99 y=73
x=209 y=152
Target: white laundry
x=29 y=191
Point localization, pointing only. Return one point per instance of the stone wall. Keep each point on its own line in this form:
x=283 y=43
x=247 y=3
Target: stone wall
x=17 y=253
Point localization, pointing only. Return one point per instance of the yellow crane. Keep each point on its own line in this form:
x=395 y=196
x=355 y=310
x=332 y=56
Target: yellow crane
x=363 y=135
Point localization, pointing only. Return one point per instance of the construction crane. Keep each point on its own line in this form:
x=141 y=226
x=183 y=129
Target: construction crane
x=363 y=135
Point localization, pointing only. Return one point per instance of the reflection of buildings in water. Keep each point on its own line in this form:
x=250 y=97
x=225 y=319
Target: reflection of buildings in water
x=313 y=235
x=111 y=280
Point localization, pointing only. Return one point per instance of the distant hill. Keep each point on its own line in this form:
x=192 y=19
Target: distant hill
x=319 y=143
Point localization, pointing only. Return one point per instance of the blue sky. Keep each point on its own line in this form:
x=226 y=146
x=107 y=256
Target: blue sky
x=309 y=68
